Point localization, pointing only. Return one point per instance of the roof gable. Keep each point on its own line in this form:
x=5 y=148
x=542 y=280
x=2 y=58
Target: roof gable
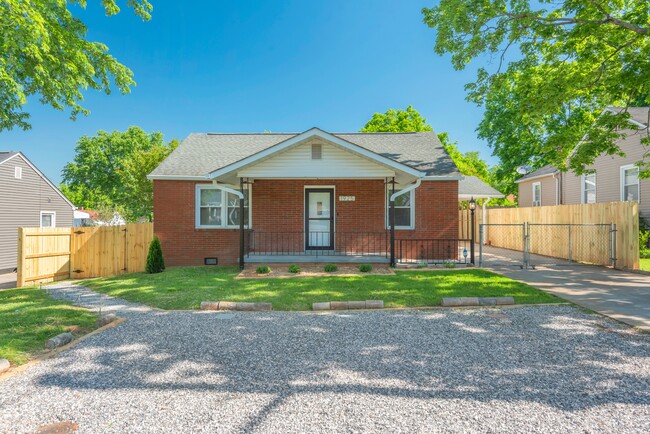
x=311 y=134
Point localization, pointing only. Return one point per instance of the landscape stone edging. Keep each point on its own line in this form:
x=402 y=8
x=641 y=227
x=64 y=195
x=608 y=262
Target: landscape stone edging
x=59 y=340
x=230 y=305
x=348 y=305
x=4 y=365
x=477 y=301
x=106 y=319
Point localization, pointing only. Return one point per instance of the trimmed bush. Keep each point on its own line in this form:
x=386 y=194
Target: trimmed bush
x=449 y=264
x=330 y=268
x=294 y=269
x=155 y=261
x=365 y=268
x=263 y=269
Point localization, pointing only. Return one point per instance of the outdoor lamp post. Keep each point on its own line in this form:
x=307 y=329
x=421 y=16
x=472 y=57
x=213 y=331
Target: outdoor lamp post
x=472 y=208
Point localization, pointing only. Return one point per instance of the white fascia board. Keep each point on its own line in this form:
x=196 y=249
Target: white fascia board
x=177 y=177
x=480 y=196
x=42 y=175
x=314 y=132
x=536 y=177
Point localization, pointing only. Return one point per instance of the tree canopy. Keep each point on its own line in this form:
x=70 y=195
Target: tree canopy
x=44 y=51
x=397 y=121
x=557 y=65
x=109 y=171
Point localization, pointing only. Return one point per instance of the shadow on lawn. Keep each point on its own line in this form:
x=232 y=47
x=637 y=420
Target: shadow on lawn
x=561 y=359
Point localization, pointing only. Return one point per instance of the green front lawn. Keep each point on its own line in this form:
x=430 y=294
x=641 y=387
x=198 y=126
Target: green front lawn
x=187 y=287
x=29 y=317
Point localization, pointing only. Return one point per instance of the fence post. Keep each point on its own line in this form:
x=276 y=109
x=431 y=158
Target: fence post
x=524 y=244
x=569 y=242
x=480 y=245
x=20 y=266
x=612 y=245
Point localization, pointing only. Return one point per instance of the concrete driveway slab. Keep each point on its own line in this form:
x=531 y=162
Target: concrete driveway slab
x=7 y=280
x=530 y=369
x=618 y=294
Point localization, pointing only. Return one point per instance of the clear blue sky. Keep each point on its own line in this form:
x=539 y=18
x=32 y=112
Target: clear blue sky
x=243 y=66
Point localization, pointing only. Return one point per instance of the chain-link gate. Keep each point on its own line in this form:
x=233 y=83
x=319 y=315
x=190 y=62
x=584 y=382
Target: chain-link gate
x=532 y=244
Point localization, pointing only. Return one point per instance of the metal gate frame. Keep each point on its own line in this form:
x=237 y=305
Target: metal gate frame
x=526 y=245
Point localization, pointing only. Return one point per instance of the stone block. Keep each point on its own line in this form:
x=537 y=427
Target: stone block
x=374 y=304
x=505 y=300
x=58 y=341
x=339 y=305
x=451 y=302
x=227 y=305
x=487 y=301
x=356 y=304
x=209 y=305
x=4 y=365
x=245 y=306
x=321 y=306
x=106 y=319
x=460 y=301
x=262 y=306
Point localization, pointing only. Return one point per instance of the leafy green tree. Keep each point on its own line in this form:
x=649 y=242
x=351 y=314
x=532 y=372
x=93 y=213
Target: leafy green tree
x=44 y=51
x=571 y=59
x=109 y=171
x=397 y=121
x=469 y=163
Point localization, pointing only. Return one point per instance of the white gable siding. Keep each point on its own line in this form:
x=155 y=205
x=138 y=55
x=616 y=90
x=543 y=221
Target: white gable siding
x=297 y=162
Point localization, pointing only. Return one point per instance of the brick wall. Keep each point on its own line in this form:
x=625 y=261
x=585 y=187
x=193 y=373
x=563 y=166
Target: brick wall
x=278 y=206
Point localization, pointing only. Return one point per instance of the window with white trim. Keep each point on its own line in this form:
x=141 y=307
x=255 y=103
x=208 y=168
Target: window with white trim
x=48 y=219
x=404 y=209
x=218 y=208
x=589 y=188
x=537 y=194
x=629 y=183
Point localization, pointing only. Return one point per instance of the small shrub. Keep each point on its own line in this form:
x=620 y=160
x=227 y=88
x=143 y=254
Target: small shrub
x=330 y=268
x=421 y=265
x=294 y=269
x=449 y=264
x=263 y=269
x=365 y=268
x=155 y=261
x=644 y=238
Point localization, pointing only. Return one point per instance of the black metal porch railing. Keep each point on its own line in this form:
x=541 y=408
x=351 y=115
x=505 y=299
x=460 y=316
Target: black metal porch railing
x=433 y=251
x=262 y=243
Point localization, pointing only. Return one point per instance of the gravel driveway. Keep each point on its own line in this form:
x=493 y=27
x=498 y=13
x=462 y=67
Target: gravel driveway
x=541 y=369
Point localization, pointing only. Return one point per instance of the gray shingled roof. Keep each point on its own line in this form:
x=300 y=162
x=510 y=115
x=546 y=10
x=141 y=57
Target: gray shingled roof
x=475 y=187
x=546 y=170
x=201 y=153
x=5 y=155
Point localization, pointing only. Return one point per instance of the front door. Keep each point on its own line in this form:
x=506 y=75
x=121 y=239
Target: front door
x=319 y=219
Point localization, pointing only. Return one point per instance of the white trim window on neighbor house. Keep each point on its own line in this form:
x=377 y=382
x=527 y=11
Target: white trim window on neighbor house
x=48 y=219
x=588 y=190
x=537 y=194
x=629 y=183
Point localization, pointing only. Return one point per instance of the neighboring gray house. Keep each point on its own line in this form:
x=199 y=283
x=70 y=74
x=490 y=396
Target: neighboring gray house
x=614 y=179
x=27 y=199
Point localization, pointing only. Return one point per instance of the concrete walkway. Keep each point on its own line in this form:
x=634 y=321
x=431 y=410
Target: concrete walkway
x=8 y=280
x=620 y=295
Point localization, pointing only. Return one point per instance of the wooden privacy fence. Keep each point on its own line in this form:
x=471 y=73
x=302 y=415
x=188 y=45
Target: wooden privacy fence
x=50 y=254
x=625 y=215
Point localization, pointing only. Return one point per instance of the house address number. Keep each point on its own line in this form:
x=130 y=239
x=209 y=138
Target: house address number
x=347 y=198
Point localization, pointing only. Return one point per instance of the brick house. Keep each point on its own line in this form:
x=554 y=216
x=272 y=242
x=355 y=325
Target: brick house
x=314 y=196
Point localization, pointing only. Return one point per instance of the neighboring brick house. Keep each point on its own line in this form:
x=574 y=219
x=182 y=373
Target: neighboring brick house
x=27 y=198
x=614 y=178
x=313 y=196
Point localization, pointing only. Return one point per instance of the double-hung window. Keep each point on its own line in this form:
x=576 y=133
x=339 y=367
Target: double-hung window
x=218 y=208
x=537 y=194
x=589 y=188
x=629 y=183
x=404 y=209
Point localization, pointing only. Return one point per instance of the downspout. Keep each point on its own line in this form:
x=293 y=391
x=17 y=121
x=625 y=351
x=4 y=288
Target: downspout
x=392 y=215
x=484 y=232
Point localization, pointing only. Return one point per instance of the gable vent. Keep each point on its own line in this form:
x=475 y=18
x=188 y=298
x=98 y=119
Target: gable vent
x=18 y=172
x=316 y=151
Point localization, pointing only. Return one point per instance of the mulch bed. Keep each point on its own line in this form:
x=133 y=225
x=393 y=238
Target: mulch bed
x=313 y=270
